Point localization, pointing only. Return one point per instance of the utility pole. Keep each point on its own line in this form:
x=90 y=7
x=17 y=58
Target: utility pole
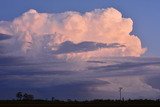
x=120 y=93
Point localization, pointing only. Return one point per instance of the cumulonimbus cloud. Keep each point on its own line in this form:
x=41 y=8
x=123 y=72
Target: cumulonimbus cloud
x=34 y=33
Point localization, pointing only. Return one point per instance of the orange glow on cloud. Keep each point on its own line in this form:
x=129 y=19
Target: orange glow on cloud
x=100 y=26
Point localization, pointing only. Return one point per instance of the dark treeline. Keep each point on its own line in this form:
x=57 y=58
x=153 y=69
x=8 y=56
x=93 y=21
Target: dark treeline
x=96 y=101
x=75 y=103
x=23 y=99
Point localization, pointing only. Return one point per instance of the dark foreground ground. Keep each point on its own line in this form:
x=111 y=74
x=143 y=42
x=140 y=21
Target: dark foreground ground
x=94 y=103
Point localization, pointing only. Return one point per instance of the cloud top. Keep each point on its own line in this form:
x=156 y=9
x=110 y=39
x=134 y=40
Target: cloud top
x=43 y=33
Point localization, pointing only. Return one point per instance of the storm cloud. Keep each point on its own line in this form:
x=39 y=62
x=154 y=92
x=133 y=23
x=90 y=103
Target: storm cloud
x=39 y=52
x=38 y=34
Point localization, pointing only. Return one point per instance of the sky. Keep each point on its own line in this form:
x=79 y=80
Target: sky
x=80 y=49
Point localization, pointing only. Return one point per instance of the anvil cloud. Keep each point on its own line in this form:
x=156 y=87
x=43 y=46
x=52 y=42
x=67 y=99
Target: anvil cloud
x=34 y=34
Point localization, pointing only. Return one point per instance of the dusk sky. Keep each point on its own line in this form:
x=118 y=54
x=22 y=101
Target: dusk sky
x=80 y=49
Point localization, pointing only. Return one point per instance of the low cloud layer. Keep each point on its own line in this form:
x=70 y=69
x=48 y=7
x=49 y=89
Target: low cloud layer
x=139 y=78
x=37 y=34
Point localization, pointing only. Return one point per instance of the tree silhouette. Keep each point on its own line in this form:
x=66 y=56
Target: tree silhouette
x=19 y=95
x=25 y=96
x=53 y=98
x=28 y=96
